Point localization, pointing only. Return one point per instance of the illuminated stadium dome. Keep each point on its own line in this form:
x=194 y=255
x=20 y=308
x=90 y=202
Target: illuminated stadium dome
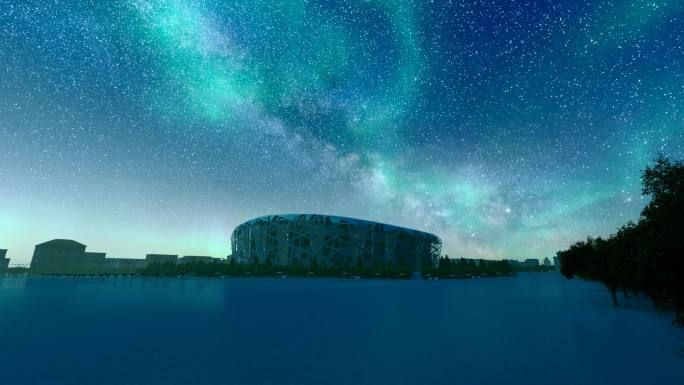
x=338 y=242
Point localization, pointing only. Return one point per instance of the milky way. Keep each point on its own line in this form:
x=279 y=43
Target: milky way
x=509 y=129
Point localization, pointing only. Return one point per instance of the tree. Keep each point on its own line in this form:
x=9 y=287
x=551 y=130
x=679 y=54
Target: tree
x=644 y=257
x=663 y=225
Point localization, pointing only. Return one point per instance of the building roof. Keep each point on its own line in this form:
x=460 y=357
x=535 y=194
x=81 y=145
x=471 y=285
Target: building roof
x=336 y=219
x=62 y=242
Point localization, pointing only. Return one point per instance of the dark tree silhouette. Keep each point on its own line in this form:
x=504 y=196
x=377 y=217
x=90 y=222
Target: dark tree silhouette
x=647 y=256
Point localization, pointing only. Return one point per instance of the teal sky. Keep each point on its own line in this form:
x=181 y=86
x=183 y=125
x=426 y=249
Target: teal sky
x=508 y=129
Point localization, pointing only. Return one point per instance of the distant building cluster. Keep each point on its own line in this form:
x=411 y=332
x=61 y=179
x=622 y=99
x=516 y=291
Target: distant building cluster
x=533 y=263
x=65 y=256
x=276 y=240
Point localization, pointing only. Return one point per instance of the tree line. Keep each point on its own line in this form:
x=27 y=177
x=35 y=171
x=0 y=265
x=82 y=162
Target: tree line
x=646 y=256
x=267 y=268
x=466 y=268
x=443 y=268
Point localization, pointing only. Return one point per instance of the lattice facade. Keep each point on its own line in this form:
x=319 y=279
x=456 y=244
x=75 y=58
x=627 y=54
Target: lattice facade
x=335 y=241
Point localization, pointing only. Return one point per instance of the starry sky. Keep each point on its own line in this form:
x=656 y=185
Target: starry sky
x=509 y=129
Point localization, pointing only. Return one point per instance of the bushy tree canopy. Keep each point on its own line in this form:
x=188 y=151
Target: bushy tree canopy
x=647 y=256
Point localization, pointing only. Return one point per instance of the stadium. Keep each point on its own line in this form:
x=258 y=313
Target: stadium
x=333 y=241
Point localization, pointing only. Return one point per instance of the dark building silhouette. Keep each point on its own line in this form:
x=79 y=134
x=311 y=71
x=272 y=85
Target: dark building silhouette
x=4 y=262
x=198 y=259
x=331 y=240
x=65 y=256
x=531 y=262
x=57 y=256
x=514 y=262
x=161 y=258
x=123 y=265
x=92 y=259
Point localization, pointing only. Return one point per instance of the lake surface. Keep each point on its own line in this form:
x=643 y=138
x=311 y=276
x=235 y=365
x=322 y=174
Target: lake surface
x=531 y=329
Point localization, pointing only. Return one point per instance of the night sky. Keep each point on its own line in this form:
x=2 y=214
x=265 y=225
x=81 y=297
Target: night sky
x=509 y=129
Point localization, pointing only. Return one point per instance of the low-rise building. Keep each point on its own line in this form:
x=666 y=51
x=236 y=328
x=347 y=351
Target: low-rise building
x=513 y=262
x=198 y=259
x=66 y=256
x=58 y=256
x=161 y=258
x=123 y=265
x=531 y=262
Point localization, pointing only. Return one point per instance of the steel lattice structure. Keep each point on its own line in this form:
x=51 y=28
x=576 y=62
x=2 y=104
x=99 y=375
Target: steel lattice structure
x=331 y=240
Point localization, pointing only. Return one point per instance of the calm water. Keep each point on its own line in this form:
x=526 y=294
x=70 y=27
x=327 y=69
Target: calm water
x=531 y=329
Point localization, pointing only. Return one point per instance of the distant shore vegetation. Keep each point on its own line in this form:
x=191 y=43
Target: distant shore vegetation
x=646 y=256
x=445 y=268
